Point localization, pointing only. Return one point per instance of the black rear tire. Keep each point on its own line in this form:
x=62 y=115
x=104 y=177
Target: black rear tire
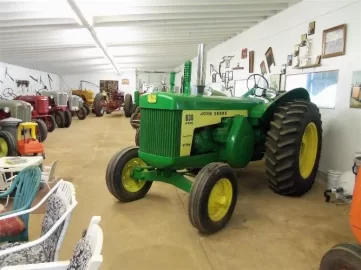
x=51 y=124
x=10 y=147
x=98 y=105
x=285 y=143
x=81 y=113
x=221 y=177
x=68 y=118
x=342 y=257
x=128 y=105
x=114 y=178
x=41 y=130
x=59 y=118
x=108 y=112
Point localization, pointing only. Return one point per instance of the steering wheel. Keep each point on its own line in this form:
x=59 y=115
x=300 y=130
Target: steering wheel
x=256 y=83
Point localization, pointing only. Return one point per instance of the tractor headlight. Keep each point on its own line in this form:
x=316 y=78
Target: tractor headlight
x=49 y=107
x=51 y=96
x=6 y=109
x=31 y=108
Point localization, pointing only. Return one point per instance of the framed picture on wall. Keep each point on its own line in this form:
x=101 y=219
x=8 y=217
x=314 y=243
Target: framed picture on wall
x=263 y=68
x=270 y=59
x=296 y=50
x=303 y=40
x=334 y=41
x=244 y=53
x=125 y=81
x=311 y=28
x=251 y=61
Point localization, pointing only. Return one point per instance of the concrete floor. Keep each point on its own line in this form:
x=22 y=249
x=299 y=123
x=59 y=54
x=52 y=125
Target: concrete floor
x=267 y=231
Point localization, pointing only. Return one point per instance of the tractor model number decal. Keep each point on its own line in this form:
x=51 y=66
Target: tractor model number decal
x=188 y=119
x=223 y=113
x=193 y=119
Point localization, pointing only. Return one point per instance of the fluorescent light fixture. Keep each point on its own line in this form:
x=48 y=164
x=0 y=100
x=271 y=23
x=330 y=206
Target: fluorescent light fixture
x=86 y=24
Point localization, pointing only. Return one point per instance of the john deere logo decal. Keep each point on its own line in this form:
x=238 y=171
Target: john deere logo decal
x=152 y=98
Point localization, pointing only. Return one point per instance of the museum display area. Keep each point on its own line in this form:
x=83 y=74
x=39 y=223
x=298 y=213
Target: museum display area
x=180 y=135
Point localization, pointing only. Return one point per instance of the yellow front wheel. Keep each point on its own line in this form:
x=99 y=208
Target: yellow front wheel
x=213 y=198
x=119 y=176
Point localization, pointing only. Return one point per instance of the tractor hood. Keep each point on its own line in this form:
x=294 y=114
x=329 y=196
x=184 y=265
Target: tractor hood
x=175 y=101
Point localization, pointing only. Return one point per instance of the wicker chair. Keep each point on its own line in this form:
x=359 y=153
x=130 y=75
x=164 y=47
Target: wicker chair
x=61 y=202
x=86 y=255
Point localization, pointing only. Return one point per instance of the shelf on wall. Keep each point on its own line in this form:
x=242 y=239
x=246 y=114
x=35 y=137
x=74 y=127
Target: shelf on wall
x=307 y=66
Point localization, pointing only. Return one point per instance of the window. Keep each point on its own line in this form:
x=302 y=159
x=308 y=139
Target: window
x=322 y=86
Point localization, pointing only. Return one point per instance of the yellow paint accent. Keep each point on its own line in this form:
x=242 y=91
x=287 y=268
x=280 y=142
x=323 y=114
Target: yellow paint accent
x=308 y=150
x=220 y=199
x=128 y=182
x=152 y=98
x=27 y=126
x=192 y=119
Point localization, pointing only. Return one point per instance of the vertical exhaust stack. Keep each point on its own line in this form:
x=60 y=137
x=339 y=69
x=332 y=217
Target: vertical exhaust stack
x=201 y=69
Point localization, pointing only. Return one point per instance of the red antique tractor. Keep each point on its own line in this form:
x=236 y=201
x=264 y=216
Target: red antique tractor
x=40 y=110
x=58 y=102
x=112 y=101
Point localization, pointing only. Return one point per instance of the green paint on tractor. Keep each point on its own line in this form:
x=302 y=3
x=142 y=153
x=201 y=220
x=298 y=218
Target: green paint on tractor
x=214 y=134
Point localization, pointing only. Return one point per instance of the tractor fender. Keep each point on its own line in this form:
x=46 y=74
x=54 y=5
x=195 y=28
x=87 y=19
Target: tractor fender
x=297 y=93
x=240 y=143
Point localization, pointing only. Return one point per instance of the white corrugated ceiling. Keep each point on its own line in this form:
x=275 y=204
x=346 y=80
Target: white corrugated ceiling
x=145 y=35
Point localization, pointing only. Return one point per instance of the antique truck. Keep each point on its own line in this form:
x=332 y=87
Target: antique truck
x=23 y=110
x=75 y=105
x=88 y=98
x=217 y=134
x=40 y=110
x=58 y=102
x=112 y=101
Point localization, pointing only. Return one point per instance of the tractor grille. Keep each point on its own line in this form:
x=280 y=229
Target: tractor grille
x=42 y=105
x=75 y=101
x=24 y=113
x=61 y=99
x=160 y=132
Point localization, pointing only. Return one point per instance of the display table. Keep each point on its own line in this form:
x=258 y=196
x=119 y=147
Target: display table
x=11 y=165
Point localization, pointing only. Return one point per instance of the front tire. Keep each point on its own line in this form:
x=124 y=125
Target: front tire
x=68 y=119
x=137 y=137
x=86 y=108
x=128 y=105
x=342 y=257
x=293 y=148
x=50 y=123
x=119 y=182
x=41 y=130
x=7 y=144
x=59 y=118
x=213 y=197
x=81 y=113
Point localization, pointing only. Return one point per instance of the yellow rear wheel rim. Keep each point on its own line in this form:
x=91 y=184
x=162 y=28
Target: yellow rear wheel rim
x=130 y=184
x=220 y=199
x=308 y=150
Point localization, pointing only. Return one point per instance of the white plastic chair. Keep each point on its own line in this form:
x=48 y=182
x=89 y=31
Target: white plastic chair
x=48 y=174
x=87 y=253
x=61 y=202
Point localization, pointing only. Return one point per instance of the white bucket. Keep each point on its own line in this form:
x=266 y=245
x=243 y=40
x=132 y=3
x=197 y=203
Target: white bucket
x=333 y=178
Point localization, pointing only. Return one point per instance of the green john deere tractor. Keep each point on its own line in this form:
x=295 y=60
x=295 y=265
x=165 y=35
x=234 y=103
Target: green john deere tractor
x=218 y=134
